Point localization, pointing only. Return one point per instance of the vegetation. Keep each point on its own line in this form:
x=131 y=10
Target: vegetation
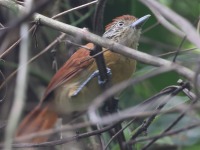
x=177 y=128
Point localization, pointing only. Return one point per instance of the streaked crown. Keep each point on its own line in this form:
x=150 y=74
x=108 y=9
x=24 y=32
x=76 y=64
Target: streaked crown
x=121 y=30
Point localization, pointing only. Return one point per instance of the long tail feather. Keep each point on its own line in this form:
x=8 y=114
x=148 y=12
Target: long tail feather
x=39 y=119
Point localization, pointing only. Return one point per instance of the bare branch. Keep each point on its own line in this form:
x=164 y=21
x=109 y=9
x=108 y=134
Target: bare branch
x=20 y=90
x=143 y=57
x=183 y=24
x=98 y=101
x=75 y=8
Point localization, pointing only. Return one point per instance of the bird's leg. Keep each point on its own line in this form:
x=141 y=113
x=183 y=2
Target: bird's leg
x=93 y=75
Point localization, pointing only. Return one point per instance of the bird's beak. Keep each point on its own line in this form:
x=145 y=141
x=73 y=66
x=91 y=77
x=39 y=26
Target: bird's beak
x=140 y=22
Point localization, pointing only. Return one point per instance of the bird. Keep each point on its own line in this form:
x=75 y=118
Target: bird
x=72 y=88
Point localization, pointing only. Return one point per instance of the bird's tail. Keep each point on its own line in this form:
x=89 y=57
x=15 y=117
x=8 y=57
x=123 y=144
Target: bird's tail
x=40 y=119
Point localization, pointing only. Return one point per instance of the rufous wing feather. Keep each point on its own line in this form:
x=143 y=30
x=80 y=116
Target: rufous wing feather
x=80 y=60
x=43 y=118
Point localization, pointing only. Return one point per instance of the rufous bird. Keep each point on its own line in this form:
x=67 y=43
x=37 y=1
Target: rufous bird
x=63 y=96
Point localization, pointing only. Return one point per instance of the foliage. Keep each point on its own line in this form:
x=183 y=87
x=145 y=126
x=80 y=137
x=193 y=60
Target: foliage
x=156 y=41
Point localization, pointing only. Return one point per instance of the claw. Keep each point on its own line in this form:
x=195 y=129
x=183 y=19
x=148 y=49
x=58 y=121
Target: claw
x=93 y=75
x=103 y=82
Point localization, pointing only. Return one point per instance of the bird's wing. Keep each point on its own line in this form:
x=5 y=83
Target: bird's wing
x=76 y=63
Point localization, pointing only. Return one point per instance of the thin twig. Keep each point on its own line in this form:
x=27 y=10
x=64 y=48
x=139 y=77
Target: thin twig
x=148 y=121
x=52 y=44
x=179 y=48
x=172 y=52
x=18 y=21
x=78 y=45
x=166 y=130
x=174 y=132
x=118 y=48
x=196 y=81
x=1 y=99
x=100 y=99
x=150 y=27
x=75 y=8
x=193 y=99
x=98 y=29
x=172 y=16
x=7 y=51
x=86 y=124
x=64 y=140
x=21 y=84
x=57 y=40
x=116 y=134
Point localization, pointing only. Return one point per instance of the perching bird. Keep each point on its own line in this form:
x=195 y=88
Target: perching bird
x=64 y=96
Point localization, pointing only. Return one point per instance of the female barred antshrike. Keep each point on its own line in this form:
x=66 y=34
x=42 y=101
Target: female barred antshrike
x=64 y=96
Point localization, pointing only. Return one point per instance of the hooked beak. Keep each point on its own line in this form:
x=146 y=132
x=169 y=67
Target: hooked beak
x=140 y=22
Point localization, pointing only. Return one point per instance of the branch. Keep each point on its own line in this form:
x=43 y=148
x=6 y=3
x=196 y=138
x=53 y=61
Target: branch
x=182 y=23
x=140 y=56
x=63 y=140
x=98 y=101
x=21 y=84
x=174 y=132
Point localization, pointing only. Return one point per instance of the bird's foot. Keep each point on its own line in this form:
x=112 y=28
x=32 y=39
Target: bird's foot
x=93 y=75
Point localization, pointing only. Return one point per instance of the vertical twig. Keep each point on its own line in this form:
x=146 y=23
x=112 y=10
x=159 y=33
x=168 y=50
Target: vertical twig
x=98 y=29
x=21 y=83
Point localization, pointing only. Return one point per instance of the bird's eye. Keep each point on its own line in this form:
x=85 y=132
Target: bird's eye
x=120 y=24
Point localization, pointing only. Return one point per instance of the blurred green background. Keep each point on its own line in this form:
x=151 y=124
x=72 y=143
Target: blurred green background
x=155 y=41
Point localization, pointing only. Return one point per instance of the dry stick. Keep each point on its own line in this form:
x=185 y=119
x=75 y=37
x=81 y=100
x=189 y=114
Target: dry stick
x=97 y=25
x=1 y=99
x=21 y=84
x=56 y=41
x=198 y=26
x=70 y=138
x=179 y=48
x=54 y=17
x=166 y=91
x=144 y=58
x=101 y=65
x=64 y=140
x=174 y=132
x=166 y=130
x=35 y=57
x=15 y=44
x=172 y=52
x=148 y=121
x=196 y=81
x=151 y=27
x=98 y=29
x=75 y=8
x=156 y=43
x=78 y=45
x=182 y=23
x=2 y=26
x=194 y=100
x=18 y=21
x=86 y=124
x=117 y=134
x=57 y=142
x=131 y=53
x=100 y=99
x=167 y=24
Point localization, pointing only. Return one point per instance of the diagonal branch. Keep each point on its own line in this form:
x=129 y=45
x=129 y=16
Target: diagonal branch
x=140 y=56
x=183 y=24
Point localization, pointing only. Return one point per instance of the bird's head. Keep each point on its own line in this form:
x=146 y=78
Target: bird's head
x=125 y=30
